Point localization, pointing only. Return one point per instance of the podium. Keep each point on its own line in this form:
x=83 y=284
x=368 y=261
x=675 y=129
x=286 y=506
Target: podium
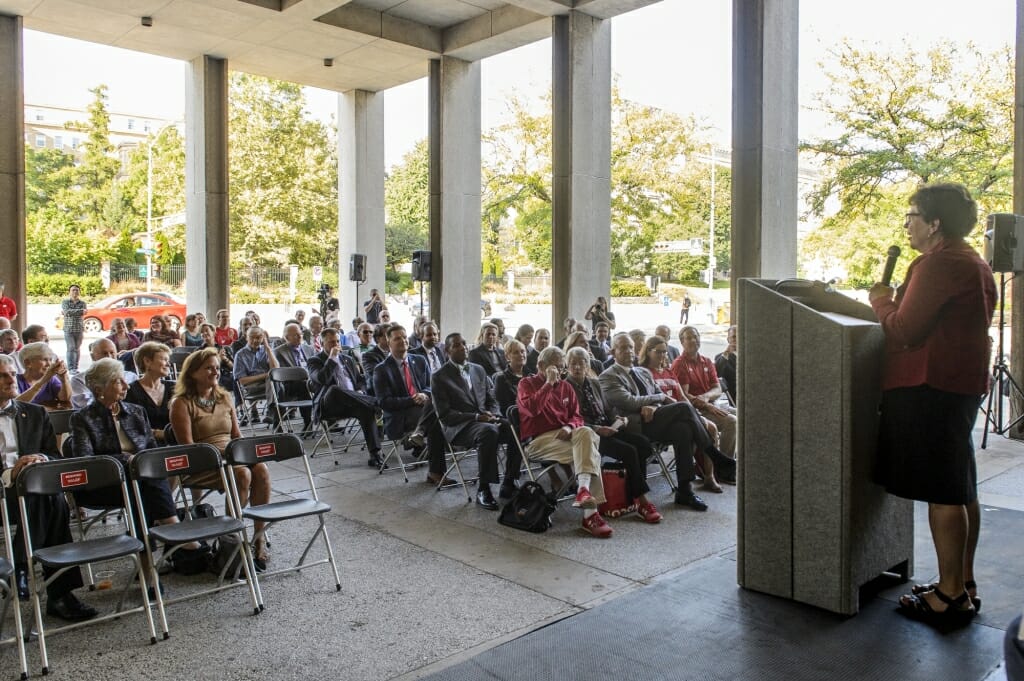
x=812 y=525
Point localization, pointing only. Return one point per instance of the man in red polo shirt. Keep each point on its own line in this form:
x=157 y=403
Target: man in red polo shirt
x=549 y=413
x=696 y=374
x=7 y=307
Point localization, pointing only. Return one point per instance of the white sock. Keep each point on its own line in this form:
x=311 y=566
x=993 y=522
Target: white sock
x=587 y=512
x=584 y=480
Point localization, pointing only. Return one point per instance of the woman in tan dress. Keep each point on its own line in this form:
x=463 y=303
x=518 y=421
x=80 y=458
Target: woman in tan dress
x=203 y=412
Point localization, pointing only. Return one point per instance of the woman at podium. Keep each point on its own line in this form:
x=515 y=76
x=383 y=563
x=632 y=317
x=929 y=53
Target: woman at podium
x=934 y=376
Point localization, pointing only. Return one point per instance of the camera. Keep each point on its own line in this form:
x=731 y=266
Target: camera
x=323 y=294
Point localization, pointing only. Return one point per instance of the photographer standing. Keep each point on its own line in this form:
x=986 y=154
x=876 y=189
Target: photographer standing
x=373 y=307
x=599 y=312
x=330 y=309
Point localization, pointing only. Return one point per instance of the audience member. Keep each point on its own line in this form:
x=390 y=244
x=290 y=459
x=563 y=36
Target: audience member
x=316 y=327
x=153 y=391
x=541 y=340
x=190 y=336
x=600 y=343
x=524 y=334
x=224 y=354
x=8 y=310
x=10 y=343
x=294 y=353
x=5 y=323
x=506 y=383
x=244 y=324
x=502 y=336
x=45 y=380
x=725 y=364
x=351 y=339
x=203 y=412
x=416 y=337
x=373 y=307
x=465 y=405
x=72 y=309
x=28 y=438
x=401 y=383
x=666 y=334
x=488 y=353
x=578 y=339
x=385 y=316
x=364 y=342
x=133 y=329
x=34 y=333
x=550 y=418
x=225 y=335
x=99 y=349
x=696 y=373
x=631 y=449
x=160 y=332
x=123 y=340
x=252 y=369
x=372 y=357
x=429 y=347
x=600 y=312
x=568 y=326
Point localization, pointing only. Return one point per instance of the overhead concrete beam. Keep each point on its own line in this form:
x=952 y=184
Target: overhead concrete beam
x=548 y=8
x=381 y=25
x=494 y=32
x=607 y=9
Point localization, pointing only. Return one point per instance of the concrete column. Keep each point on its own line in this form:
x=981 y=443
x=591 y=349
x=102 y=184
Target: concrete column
x=1016 y=306
x=360 y=195
x=207 y=286
x=764 y=138
x=12 y=165
x=581 y=183
x=455 y=195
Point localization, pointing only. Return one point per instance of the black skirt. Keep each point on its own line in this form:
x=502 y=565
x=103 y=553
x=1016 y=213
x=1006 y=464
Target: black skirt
x=925 y=445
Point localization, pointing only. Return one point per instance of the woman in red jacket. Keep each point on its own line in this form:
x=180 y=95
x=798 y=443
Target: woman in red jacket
x=936 y=372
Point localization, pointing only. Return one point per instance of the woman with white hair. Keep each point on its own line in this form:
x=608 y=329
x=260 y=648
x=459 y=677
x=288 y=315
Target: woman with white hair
x=45 y=380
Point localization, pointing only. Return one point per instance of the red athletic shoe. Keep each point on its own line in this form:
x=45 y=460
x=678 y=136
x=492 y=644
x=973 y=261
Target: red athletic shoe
x=649 y=512
x=584 y=499
x=596 y=526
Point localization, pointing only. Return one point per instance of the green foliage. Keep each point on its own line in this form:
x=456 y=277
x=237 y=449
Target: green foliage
x=400 y=240
x=629 y=289
x=903 y=119
x=56 y=285
x=45 y=176
x=397 y=282
x=407 y=189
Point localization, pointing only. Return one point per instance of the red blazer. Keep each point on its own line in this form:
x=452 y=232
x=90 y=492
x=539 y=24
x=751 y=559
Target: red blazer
x=936 y=330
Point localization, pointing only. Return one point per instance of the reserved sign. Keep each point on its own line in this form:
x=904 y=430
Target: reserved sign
x=266 y=449
x=74 y=479
x=176 y=463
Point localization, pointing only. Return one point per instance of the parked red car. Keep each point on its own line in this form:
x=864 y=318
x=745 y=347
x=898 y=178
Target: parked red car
x=141 y=306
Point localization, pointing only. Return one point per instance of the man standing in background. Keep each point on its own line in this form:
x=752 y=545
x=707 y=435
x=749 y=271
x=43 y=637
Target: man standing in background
x=72 y=309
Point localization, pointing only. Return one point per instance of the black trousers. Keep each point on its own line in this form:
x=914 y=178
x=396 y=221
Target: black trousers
x=677 y=425
x=47 y=526
x=424 y=419
x=633 y=451
x=486 y=437
x=338 y=403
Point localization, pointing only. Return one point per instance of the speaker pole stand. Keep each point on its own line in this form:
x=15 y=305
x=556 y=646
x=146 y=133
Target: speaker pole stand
x=421 y=297
x=358 y=310
x=1002 y=379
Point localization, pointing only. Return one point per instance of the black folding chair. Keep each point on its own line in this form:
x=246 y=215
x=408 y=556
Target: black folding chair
x=81 y=474
x=165 y=463
x=178 y=357
x=249 y=451
x=60 y=419
x=8 y=590
x=85 y=518
x=291 y=391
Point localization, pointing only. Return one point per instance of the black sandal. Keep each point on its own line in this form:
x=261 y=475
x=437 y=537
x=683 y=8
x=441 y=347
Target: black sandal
x=970 y=584
x=917 y=607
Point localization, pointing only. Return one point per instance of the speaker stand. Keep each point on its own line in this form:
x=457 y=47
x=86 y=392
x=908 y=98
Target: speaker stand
x=1002 y=380
x=359 y=308
x=421 y=297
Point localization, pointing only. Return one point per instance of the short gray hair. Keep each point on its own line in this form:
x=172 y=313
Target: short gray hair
x=254 y=330
x=102 y=373
x=550 y=356
x=34 y=351
x=7 y=360
x=9 y=332
x=574 y=352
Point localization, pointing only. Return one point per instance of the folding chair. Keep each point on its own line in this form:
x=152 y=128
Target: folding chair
x=82 y=521
x=251 y=397
x=61 y=422
x=165 y=463
x=457 y=455
x=390 y=449
x=8 y=590
x=60 y=477
x=249 y=451
x=178 y=356
x=562 y=490
x=291 y=391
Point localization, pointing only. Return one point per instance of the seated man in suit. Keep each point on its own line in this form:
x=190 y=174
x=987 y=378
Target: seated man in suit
x=550 y=419
x=632 y=392
x=27 y=437
x=294 y=353
x=488 y=353
x=429 y=347
x=402 y=388
x=375 y=355
x=599 y=344
x=465 y=404
x=340 y=392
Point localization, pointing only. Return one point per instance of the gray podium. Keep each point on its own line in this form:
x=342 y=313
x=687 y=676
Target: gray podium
x=812 y=525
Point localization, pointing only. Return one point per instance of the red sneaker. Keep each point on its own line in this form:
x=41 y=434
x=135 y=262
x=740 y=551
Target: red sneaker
x=596 y=526
x=649 y=512
x=584 y=499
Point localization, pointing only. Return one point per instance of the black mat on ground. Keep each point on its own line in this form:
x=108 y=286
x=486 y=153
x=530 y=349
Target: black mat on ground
x=700 y=625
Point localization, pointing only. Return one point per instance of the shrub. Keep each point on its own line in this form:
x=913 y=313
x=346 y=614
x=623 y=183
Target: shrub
x=56 y=285
x=629 y=289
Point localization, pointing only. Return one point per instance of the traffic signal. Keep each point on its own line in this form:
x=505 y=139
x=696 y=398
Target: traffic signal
x=159 y=251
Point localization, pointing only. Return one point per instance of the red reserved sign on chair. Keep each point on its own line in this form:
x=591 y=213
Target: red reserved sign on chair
x=176 y=463
x=266 y=449
x=74 y=478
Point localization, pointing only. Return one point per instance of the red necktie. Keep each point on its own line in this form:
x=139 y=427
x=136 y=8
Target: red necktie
x=408 y=378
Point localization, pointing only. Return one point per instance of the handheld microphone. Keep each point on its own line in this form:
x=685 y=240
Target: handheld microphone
x=890 y=264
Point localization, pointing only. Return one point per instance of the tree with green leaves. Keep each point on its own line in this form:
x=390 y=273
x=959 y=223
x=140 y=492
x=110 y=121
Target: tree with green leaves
x=941 y=114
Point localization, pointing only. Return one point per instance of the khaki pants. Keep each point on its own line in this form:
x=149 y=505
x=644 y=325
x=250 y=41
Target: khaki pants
x=726 y=430
x=580 y=450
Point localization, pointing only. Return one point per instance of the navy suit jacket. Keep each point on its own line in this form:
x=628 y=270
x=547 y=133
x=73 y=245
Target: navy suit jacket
x=456 y=405
x=325 y=374
x=479 y=355
x=438 y=350
x=35 y=432
x=391 y=392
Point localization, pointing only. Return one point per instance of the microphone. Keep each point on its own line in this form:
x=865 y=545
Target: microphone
x=890 y=264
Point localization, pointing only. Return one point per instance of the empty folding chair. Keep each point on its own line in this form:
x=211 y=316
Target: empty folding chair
x=291 y=391
x=165 y=463
x=249 y=451
x=178 y=356
x=60 y=419
x=61 y=477
x=8 y=590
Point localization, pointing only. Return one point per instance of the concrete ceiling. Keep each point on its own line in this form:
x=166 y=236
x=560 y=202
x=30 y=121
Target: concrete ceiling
x=374 y=44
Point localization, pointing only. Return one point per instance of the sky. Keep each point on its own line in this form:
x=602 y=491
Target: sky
x=675 y=55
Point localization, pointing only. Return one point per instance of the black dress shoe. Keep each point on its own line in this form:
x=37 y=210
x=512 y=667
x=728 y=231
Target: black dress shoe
x=691 y=500
x=69 y=608
x=508 y=489
x=485 y=499
x=376 y=462
x=21 y=577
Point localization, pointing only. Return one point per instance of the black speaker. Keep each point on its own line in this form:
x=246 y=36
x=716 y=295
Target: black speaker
x=1004 y=242
x=421 y=265
x=357 y=267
